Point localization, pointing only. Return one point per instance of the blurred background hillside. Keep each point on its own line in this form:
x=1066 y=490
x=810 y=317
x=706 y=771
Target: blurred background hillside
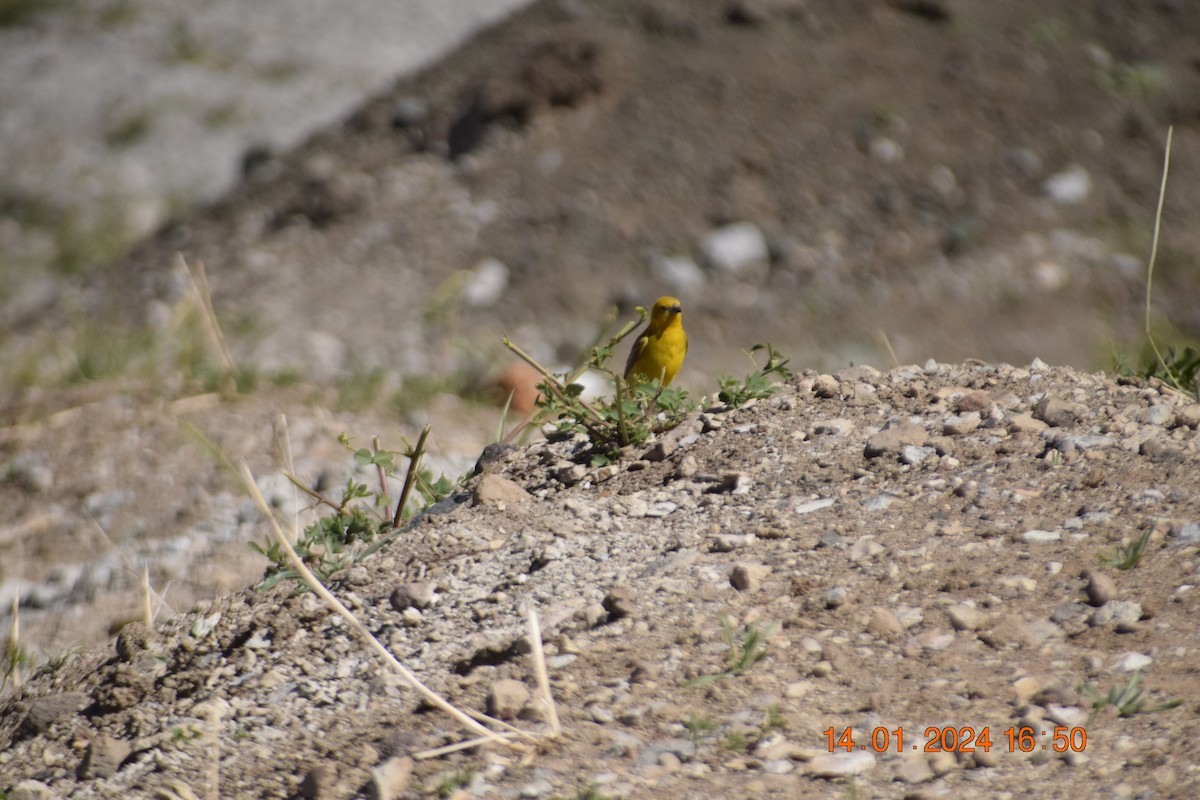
x=378 y=193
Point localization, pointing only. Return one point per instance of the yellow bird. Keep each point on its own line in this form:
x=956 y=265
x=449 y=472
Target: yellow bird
x=658 y=353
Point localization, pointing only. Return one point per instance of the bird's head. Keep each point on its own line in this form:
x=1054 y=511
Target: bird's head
x=665 y=310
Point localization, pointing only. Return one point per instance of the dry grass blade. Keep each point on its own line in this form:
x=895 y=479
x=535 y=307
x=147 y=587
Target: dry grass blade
x=199 y=282
x=539 y=669
x=1162 y=194
x=468 y=721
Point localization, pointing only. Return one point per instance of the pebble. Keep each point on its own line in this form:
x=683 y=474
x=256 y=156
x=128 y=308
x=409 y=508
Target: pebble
x=883 y=624
x=835 y=597
x=103 y=757
x=506 y=698
x=892 y=439
x=418 y=594
x=735 y=247
x=747 y=577
x=390 y=779
x=1040 y=537
x=1069 y=187
x=841 y=765
x=1132 y=662
x=486 y=283
x=496 y=490
x=1100 y=587
x=965 y=617
x=961 y=424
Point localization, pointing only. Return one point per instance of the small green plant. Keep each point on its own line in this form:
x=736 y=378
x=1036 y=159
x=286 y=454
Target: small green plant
x=635 y=412
x=129 y=129
x=589 y=792
x=698 y=727
x=1133 y=81
x=182 y=735
x=757 y=385
x=14 y=662
x=736 y=741
x=360 y=389
x=775 y=718
x=453 y=781
x=746 y=648
x=363 y=520
x=1127 y=698
x=629 y=418
x=1127 y=556
x=1179 y=367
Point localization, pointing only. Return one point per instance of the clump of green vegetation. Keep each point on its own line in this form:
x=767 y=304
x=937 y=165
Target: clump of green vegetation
x=1179 y=367
x=1126 y=698
x=18 y=12
x=589 y=792
x=1133 y=81
x=698 y=727
x=129 y=129
x=757 y=385
x=1127 y=556
x=636 y=412
x=747 y=647
x=451 y=782
x=363 y=520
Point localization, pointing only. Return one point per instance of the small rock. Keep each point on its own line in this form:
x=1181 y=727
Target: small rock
x=735 y=247
x=914 y=769
x=747 y=577
x=318 y=782
x=418 y=594
x=1024 y=423
x=103 y=757
x=1069 y=187
x=835 y=597
x=735 y=483
x=1188 y=416
x=1059 y=413
x=965 y=617
x=942 y=763
x=680 y=274
x=883 y=624
x=1132 y=662
x=841 y=765
x=506 y=698
x=826 y=387
x=893 y=439
x=486 y=283
x=571 y=475
x=620 y=602
x=1100 y=587
x=865 y=548
x=913 y=456
x=1040 y=537
x=45 y=711
x=496 y=490
x=1026 y=687
x=728 y=542
x=961 y=424
x=30 y=790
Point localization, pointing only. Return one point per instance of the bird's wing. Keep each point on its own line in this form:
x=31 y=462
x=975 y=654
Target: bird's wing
x=634 y=352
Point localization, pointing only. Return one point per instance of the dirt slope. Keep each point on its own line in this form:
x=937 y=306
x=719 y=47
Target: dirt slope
x=924 y=545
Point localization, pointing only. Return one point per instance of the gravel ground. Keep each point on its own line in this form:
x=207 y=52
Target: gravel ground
x=922 y=548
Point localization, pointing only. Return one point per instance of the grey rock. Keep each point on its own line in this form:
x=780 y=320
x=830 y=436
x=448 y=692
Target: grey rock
x=1100 y=587
x=418 y=594
x=506 y=698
